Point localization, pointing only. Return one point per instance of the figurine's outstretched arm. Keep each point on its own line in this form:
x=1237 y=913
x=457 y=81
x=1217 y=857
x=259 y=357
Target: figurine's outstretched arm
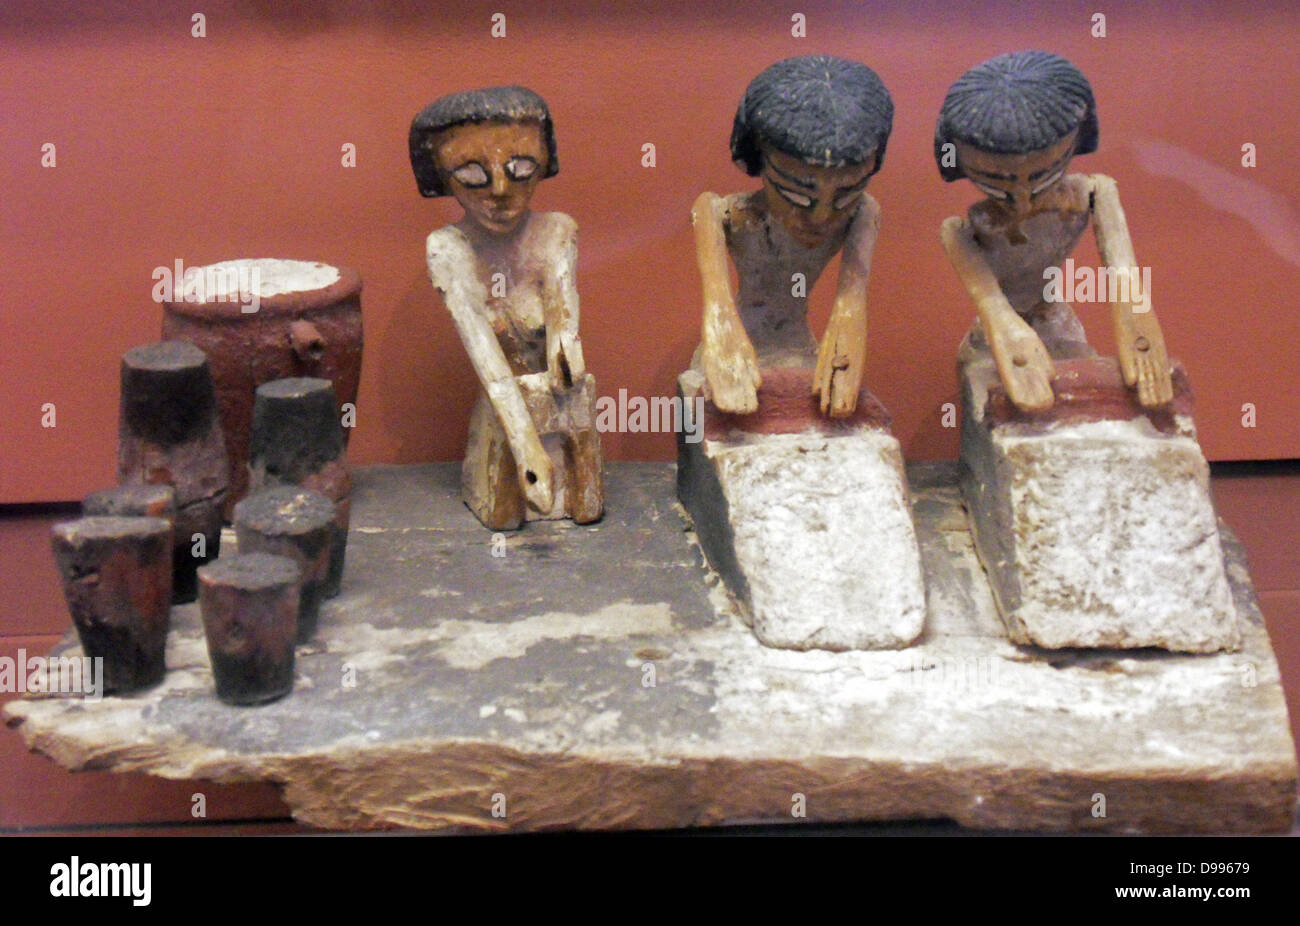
x=1024 y=365
x=466 y=298
x=563 y=347
x=1138 y=339
x=843 y=354
x=730 y=365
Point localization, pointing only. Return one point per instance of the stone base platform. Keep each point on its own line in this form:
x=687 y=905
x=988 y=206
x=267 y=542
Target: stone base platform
x=1094 y=518
x=807 y=519
x=599 y=678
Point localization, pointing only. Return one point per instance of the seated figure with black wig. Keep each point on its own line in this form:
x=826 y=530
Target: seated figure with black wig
x=1087 y=490
x=797 y=492
x=509 y=279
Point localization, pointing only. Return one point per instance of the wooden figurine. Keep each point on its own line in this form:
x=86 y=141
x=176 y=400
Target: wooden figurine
x=1087 y=490
x=797 y=493
x=508 y=277
x=814 y=130
x=1011 y=126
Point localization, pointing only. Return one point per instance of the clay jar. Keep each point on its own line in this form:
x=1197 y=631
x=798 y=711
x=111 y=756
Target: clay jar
x=263 y=319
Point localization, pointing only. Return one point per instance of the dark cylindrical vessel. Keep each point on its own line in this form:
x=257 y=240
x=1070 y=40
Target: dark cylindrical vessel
x=250 y=617
x=151 y=501
x=294 y=522
x=117 y=578
x=298 y=440
x=169 y=434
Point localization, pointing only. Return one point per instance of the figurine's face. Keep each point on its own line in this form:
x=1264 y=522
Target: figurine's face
x=813 y=203
x=492 y=169
x=1016 y=179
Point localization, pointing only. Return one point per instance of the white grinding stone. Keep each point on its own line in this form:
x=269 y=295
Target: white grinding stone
x=1116 y=539
x=823 y=534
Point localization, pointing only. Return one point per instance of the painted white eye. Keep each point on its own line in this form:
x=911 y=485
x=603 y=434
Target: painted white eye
x=520 y=168
x=992 y=190
x=471 y=175
x=1048 y=180
x=793 y=197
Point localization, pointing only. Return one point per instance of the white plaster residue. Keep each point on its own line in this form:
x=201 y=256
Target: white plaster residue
x=366 y=647
x=942 y=698
x=823 y=532
x=1116 y=539
x=487 y=710
x=1138 y=428
x=270 y=277
x=474 y=644
x=437 y=592
x=602 y=724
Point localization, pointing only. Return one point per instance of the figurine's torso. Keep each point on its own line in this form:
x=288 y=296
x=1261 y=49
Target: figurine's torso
x=516 y=272
x=776 y=274
x=1018 y=253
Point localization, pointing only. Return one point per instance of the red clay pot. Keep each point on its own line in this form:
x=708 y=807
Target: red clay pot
x=308 y=332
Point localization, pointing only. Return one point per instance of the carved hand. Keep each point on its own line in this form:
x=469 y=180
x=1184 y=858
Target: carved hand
x=1145 y=363
x=1024 y=364
x=564 y=362
x=840 y=362
x=730 y=365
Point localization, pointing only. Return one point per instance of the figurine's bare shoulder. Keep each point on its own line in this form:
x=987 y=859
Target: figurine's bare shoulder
x=868 y=214
x=555 y=230
x=558 y=222
x=1079 y=189
x=1100 y=183
x=449 y=256
x=449 y=238
x=742 y=212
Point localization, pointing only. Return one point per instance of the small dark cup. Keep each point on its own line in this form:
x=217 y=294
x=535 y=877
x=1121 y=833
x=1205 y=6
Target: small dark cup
x=250 y=617
x=297 y=523
x=117 y=578
x=298 y=439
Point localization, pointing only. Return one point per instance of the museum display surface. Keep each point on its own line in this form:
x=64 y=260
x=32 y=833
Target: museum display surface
x=799 y=620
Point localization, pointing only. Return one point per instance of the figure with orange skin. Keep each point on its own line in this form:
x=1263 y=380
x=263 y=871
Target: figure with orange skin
x=814 y=130
x=509 y=278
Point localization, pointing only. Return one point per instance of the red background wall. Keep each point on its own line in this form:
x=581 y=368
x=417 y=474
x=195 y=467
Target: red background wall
x=203 y=149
